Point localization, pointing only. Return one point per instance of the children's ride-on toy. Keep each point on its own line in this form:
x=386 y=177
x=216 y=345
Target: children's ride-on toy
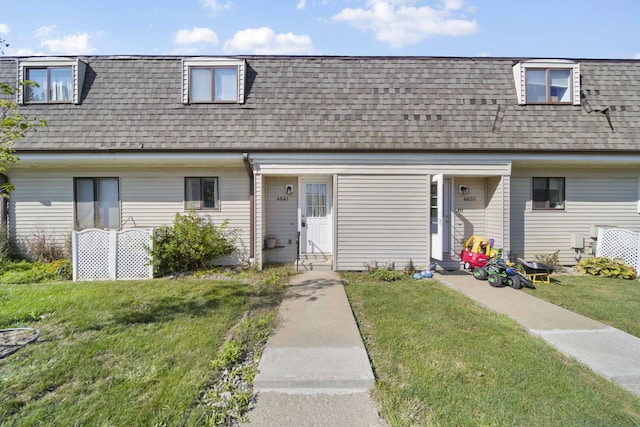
x=476 y=252
x=497 y=273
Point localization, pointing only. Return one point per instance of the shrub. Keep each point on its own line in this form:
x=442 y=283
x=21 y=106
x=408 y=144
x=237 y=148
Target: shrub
x=607 y=267
x=192 y=243
x=42 y=247
x=552 y=260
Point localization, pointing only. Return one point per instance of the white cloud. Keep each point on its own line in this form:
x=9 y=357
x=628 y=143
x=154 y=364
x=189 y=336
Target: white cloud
x=4 y=29
x=636 y=56
x=216 y=6
x=400 y=22
x=301 y=4
x=453 y=4
x=264 y=41
x=46 y=31
x=196 y=35
x=73 y=44
x=26 y=52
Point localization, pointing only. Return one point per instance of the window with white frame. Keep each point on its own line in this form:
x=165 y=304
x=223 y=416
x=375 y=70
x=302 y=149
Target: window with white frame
x=57 y=80
x=97 y=203
x=547 y=82
x=213 y=80
x=201 y=193
x=547 y=193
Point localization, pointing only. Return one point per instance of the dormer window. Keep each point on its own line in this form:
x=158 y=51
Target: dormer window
x=59 y=80
x=213 y=80
x=548 y=86
x=54 y=84
x=548 y=81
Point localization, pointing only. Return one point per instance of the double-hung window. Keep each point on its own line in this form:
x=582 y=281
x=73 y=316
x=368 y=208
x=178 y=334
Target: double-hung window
x=213 y=80
x=548 y=86
x=97 y=203
x=201 y=193
x=548 y=193
x=54 y=84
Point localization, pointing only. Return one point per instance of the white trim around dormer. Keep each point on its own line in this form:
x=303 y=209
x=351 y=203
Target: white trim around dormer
x=78 y=69
x=520 y=69
x=213 y=62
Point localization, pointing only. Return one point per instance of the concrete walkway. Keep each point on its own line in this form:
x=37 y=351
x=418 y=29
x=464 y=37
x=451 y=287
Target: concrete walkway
x=608 y=351
x=315 y=370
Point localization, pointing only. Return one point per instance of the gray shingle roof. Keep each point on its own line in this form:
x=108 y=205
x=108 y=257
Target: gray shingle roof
x=338 y=103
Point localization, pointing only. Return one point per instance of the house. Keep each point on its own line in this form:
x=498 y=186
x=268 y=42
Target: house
x=360 y=159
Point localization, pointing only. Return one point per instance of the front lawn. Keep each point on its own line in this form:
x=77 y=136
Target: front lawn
x=440 y=359
x=117 y=353
x=614 y=302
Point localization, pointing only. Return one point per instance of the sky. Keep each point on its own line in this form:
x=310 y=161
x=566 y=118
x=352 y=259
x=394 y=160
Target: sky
x=461 y=28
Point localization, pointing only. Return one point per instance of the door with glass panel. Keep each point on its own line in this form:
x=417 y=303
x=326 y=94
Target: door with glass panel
x=315 y=209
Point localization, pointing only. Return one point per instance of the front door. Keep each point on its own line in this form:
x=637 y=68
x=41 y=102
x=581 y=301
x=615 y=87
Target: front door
x=315 y=215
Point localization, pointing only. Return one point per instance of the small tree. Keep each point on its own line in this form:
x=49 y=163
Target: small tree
x=192 y=243
x=13 y=125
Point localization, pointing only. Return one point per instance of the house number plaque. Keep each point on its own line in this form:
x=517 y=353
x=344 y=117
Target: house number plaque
x=282 y=198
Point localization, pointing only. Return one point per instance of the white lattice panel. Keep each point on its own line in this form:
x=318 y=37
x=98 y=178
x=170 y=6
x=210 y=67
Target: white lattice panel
x=133 y=260
x=111 y=254
x=91 y=255
x=619 y=243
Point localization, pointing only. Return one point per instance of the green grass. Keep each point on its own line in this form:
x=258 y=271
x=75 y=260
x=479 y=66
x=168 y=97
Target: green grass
x=116 y=353
x=440 y=359
x=614 y=302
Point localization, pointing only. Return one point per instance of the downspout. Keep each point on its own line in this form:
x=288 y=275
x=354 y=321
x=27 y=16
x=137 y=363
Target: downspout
x=252 y=205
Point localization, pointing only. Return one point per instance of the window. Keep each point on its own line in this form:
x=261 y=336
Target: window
x=97 y=202
x=213 y=84
x=548 y=86
x=547 y=81
x=213 y=80
x=54 y=84
x=548 y=193
x=201 y=193
x=59 y=80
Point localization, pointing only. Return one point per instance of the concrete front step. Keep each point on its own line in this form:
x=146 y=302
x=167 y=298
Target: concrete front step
x=315 y=370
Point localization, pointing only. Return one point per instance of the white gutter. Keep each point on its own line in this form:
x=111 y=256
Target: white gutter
x=128 y=159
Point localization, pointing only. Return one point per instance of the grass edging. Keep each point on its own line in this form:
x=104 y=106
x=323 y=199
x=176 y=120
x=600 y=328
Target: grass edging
x=228 y=394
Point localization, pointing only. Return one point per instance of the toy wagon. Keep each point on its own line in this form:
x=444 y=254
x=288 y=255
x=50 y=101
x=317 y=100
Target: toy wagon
x=536 y=271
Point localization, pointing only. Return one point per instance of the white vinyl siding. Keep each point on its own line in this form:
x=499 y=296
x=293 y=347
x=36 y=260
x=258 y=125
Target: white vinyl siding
x=469 y=215
x=282 y=220
x=382 y=218
x=595 y=197
x=497 y=212
x=149 y=198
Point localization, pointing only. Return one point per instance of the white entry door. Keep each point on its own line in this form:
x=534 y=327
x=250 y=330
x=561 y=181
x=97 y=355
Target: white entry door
x=315 y=215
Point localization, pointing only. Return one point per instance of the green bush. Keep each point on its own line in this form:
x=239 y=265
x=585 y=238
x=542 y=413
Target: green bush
x=552 y=260
x=35 y=272
x=192 y=243
x=607 y=267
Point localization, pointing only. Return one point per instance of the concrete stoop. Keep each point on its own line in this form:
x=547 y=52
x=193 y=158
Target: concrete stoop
x=314 y=370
